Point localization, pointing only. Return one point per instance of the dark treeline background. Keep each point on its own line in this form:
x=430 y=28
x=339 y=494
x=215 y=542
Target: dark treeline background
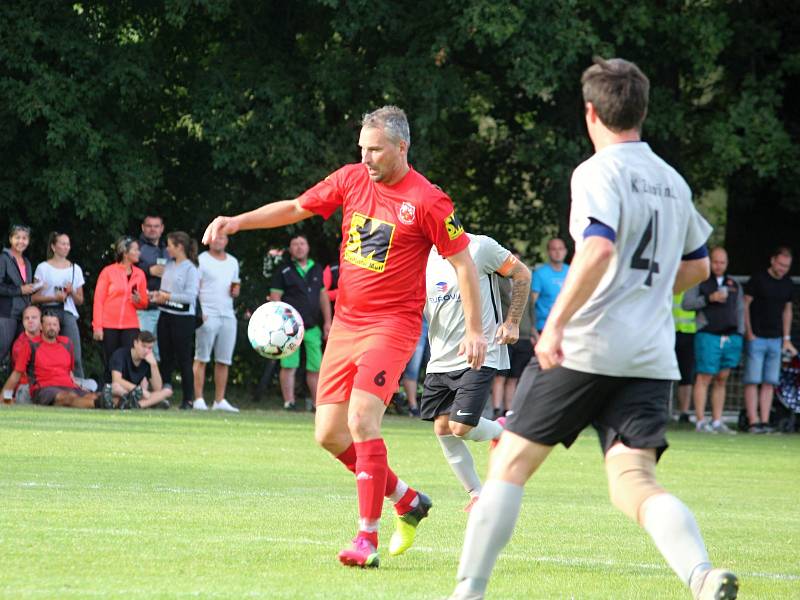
x=193 y=108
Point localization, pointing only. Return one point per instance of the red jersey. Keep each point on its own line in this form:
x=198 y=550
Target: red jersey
x=19 y=344
x=387 y=233
x=53 y=362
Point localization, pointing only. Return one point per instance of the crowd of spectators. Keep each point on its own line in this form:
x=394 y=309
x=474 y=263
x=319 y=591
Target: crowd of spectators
x=720 y=320
x=159 y=308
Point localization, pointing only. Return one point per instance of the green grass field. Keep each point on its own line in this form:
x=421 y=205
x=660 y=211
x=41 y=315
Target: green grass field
x=98 y=504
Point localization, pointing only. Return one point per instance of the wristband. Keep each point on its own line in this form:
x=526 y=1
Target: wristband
x=786 y=338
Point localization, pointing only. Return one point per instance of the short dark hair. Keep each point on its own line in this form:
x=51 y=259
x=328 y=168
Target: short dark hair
x=50 y=313
x=619 y=92
x=781 y=251
x=145 y=337
x=294 y=236
x=153 y=216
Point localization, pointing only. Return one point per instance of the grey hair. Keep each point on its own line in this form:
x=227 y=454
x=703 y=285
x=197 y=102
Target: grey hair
x=392 y=120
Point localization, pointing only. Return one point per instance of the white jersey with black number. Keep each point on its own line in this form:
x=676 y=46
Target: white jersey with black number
x=446 y=325
x=625 y=329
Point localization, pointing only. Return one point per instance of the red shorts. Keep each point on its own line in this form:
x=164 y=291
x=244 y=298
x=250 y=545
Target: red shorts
x=368 y=360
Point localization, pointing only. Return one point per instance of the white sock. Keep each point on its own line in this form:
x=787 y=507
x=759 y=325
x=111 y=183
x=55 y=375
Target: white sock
x=484 y=431
x=460 y=460
x=676 y=535
x=369 y=525
x=399 y=491
x=489 y=528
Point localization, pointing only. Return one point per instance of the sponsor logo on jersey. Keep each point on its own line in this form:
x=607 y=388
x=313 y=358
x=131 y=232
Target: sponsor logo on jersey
x=453 y=226
x=406 y=213
x=368 y=242
x=363 y=476
x=443 y=295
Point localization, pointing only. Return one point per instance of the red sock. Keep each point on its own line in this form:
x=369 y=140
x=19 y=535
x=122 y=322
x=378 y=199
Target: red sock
x=371 y=469
x=348 y=459
x=391 y=482
x=404 y=504
x=372 y=536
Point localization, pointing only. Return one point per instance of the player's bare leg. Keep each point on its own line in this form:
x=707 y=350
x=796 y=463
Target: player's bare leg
x=634 y=490
x=451 y=436
x=492 y=520
x=74 y=400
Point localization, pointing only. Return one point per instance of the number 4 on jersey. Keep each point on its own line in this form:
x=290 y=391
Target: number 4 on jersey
x=647 y=264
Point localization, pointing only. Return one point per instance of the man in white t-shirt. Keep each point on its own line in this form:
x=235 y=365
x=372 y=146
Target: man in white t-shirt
x=454 y=395
x=605 y=357
x=219 y=285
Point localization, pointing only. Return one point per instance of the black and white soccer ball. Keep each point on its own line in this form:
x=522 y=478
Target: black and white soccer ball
x=275 y=330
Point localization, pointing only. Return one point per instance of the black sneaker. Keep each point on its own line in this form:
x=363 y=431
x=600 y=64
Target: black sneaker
x=756 y=428
x=186 y=405
x=413 y=412
x=164 y=405
x=130 y=400
x=683 y=419
x=106 y=397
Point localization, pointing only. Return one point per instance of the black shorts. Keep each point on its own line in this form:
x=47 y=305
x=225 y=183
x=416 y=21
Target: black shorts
x=552 y=407
x=461 y=394
x=520 y=355
x=684 y=352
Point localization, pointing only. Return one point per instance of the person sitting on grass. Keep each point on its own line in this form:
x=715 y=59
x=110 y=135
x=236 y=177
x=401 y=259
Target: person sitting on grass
x=48 y=362
x=31 y=330
x=135 y=378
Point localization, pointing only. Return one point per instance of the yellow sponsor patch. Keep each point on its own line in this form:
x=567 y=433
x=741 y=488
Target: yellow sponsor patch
x=368 y=242
x=453 y=226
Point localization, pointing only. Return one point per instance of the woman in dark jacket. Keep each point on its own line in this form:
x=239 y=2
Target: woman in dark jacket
x=16 y=287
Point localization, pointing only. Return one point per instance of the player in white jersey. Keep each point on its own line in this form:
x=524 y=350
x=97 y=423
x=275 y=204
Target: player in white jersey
x=454 y=394
x=605 y=357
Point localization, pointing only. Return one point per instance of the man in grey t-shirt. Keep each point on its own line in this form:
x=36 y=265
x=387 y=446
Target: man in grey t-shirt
x=605 y=356
x=454 y=395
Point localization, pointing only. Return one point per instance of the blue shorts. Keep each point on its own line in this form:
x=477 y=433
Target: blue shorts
x=763 y=361
x=714 y=353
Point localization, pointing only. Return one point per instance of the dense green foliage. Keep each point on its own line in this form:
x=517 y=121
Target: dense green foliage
x=199 y=107
x=167 y=505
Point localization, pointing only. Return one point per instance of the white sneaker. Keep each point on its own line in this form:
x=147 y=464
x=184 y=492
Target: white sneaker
x=704 y=427
x=718 y=584
x=199 y=404
x=720 y=427
x=224 y=405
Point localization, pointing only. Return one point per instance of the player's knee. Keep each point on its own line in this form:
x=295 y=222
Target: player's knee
x=460 y=429
x=362 y=427
x=631 y=481
x=441 y=427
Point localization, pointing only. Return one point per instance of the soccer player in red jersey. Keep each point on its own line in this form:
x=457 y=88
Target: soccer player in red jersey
x=391 y=217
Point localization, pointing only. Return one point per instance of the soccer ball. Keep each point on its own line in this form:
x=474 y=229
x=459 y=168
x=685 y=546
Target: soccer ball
x=275 y=330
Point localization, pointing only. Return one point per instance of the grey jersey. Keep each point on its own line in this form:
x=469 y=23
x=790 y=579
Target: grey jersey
x=446 y=325
x=626 y=329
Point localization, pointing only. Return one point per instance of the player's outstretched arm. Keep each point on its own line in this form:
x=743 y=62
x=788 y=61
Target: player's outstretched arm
x=474 y=343
x=587 y=269
x=520 y=275
x=274 y=214
x=690 y=273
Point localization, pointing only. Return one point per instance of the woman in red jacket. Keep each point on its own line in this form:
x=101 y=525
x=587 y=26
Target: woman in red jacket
x=121 y=289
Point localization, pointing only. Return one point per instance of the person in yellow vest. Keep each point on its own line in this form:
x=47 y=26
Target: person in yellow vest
x=685 y=328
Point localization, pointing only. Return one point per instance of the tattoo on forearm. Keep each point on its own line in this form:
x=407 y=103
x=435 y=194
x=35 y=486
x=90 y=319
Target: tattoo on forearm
x=520 y=288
